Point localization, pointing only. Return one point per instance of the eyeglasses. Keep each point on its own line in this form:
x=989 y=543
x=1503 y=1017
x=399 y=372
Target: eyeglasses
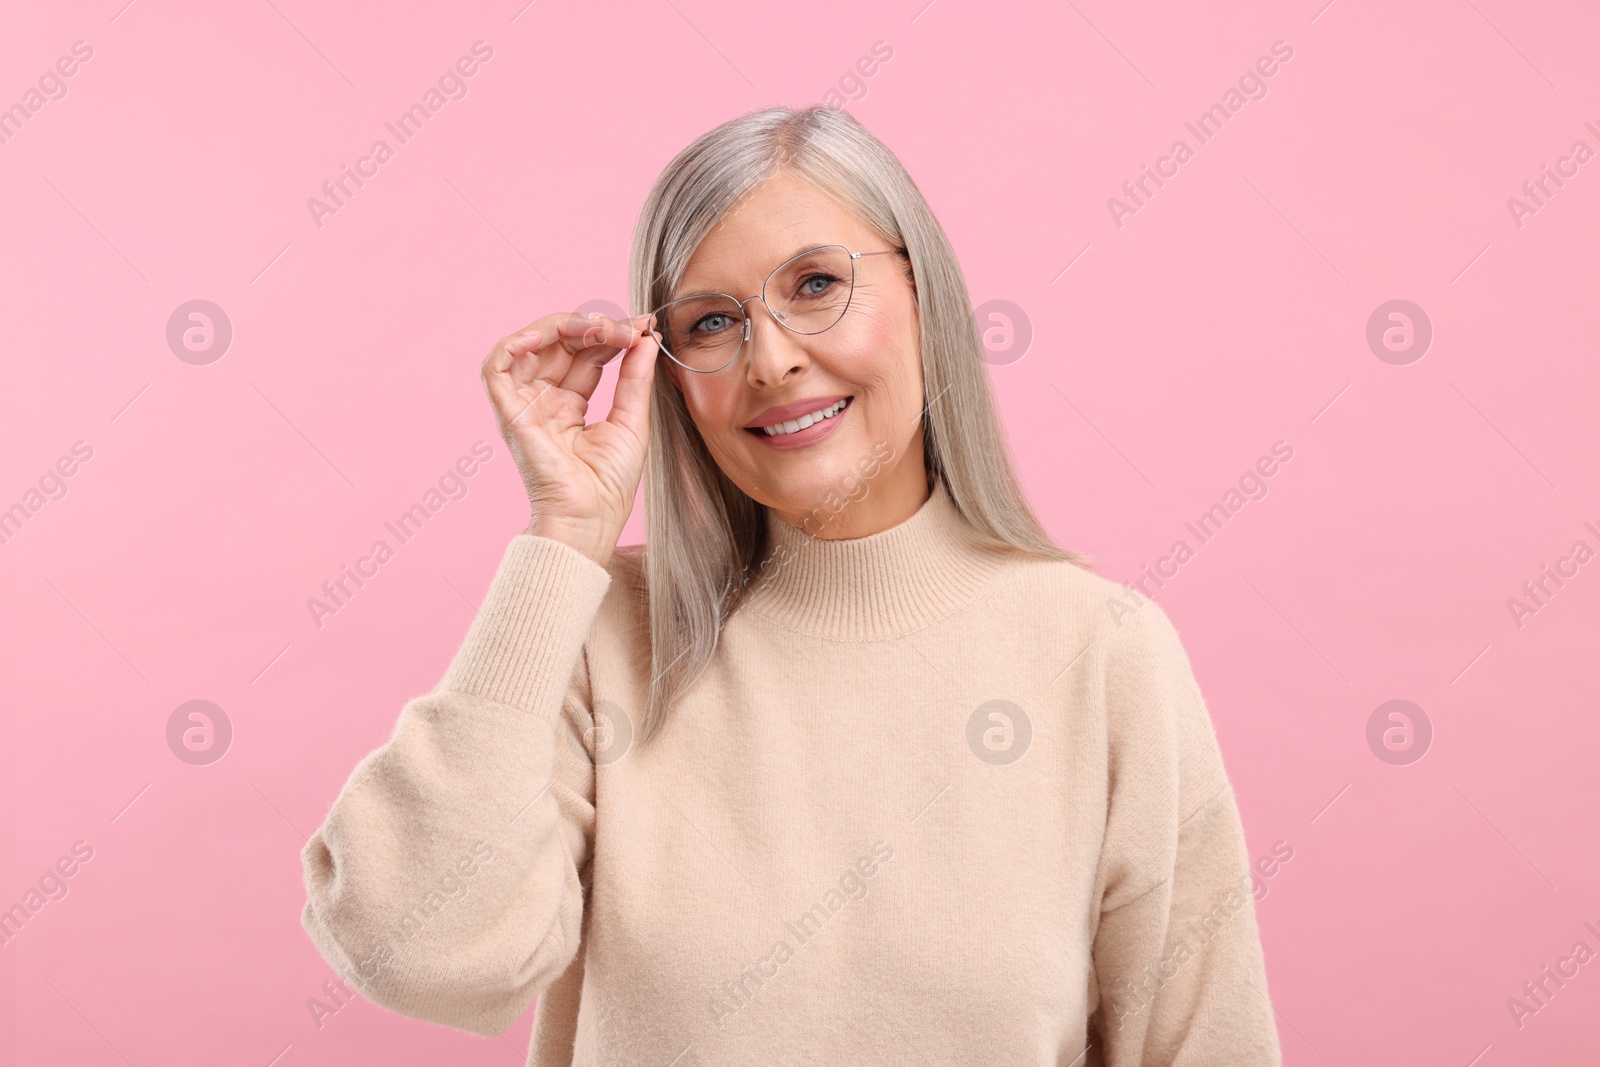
x=806 y=294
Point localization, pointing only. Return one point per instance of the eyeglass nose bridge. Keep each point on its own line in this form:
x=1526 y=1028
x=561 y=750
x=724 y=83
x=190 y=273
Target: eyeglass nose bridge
x=745 y=330
x=777 y=316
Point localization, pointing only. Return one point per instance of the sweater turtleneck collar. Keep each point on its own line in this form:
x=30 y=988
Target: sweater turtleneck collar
x=881 y=586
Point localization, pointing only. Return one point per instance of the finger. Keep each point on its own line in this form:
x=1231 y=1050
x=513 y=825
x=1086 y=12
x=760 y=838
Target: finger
x=584 y=373
x=564 y=350
x=596 y=338
x=630 y=405
x=522 y=356
x=544 y=358
x=545 y=324
x=502 y=358
x=501 y=379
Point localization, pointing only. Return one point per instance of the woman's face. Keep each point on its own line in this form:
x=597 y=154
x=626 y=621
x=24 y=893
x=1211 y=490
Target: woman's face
x=872 y=356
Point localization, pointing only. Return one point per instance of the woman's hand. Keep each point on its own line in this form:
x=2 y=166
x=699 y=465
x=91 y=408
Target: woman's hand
x=581 y=480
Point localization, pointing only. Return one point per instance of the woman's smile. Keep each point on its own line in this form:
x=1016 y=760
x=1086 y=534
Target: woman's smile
x=806 y=429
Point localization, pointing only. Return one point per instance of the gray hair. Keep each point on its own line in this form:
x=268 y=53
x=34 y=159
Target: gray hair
x=705 y=536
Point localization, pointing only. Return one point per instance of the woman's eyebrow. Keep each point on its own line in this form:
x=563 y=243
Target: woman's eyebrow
x=681 y=294
x=799 y=250
x=803 y=249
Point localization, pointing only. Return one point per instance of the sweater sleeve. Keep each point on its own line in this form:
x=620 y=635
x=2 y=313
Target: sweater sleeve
x=447 y=881
x=1179 y=977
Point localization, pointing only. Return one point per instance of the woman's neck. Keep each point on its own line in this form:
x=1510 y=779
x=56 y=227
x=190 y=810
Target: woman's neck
x=881 y=585
x=866 y=504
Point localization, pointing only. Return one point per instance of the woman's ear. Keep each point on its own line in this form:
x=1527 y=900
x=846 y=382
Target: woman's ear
x=911 y=274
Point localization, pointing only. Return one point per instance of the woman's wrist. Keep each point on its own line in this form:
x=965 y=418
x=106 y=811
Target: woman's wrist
x=584 y=541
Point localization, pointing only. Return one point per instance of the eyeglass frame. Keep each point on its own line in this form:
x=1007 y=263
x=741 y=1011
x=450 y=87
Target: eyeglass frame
x=744 y=338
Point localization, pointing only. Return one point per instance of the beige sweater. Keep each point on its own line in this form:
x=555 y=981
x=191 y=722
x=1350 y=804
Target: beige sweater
x=933 y=804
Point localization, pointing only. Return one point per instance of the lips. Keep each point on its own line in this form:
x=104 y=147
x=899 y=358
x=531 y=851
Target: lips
x=804 y=422
x=790 y=412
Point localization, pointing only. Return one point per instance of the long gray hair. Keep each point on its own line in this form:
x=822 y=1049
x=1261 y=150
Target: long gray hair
x=706 y=538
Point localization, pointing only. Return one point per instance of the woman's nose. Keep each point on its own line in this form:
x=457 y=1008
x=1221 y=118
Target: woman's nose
x=772 y=350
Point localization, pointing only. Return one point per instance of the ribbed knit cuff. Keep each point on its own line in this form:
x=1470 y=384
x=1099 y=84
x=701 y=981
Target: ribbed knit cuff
x=524 y=644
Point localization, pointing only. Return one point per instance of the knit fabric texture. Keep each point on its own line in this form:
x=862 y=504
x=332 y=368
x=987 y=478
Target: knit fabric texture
x=933 y=802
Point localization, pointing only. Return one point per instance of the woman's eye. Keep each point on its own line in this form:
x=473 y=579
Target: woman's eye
x=713 y=324
x=817 y=284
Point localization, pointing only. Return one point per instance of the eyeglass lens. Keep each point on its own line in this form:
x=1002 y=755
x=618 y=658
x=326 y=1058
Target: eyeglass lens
x=807 y=294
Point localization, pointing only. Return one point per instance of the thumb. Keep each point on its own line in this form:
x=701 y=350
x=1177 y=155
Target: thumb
x=630 y=404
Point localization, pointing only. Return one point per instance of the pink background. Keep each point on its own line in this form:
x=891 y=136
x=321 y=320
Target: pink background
x=1228 y=313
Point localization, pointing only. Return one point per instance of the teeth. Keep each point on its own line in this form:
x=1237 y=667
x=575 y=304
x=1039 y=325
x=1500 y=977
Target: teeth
x=796 y=425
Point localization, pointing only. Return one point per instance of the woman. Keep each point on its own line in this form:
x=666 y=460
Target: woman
x=848 y=763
